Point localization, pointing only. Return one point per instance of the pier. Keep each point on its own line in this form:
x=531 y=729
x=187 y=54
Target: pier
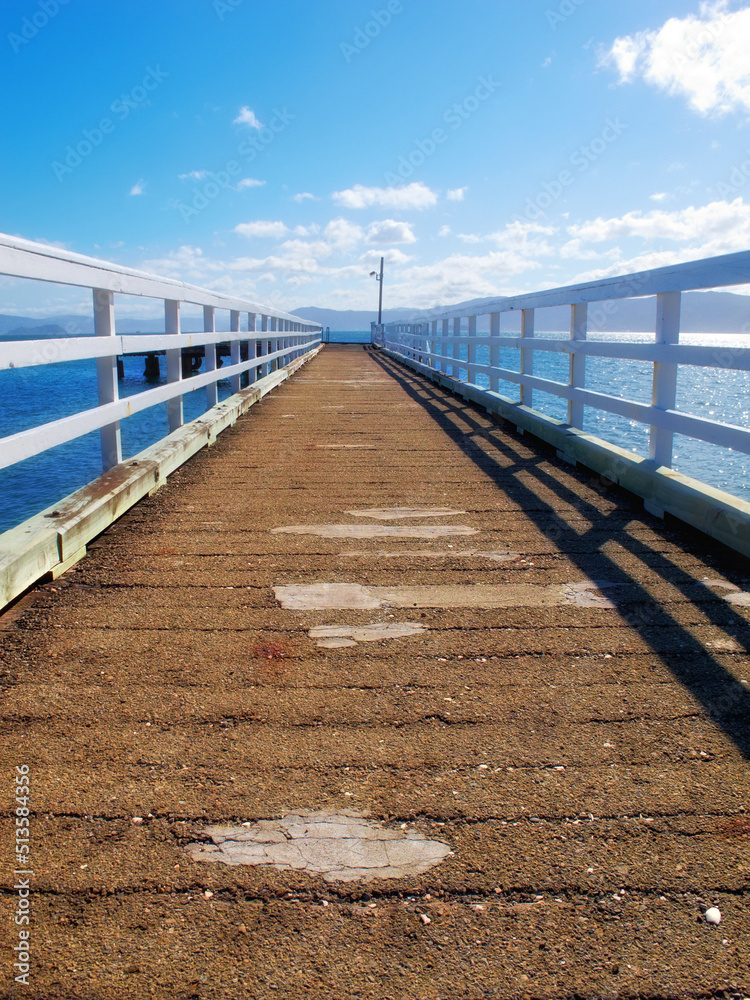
x=373 y=682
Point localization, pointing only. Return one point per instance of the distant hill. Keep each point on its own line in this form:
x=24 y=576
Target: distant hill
x=702 y=312
x=36 y=332
x=349 y=319
x=72 y=325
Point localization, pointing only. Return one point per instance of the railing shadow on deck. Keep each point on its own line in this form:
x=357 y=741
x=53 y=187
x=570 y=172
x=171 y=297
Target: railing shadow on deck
x=720 y=694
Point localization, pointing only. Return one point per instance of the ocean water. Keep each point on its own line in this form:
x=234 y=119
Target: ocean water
x=33 y=396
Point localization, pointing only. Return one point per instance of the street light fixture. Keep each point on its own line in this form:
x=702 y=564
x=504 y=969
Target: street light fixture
x=379 y=279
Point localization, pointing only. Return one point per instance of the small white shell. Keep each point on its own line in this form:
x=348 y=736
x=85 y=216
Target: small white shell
x=713 y=915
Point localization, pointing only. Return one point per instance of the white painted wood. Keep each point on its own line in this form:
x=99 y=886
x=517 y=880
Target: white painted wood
x=209 y=325
x=577 y=376
x=252 y=346
x=664 y=394
x=24 y=259
x=106 y=375
x=234 y=326
x=495 y=344
x=174 y=363
x=25 y=444
x=471 y=349
x=455 y=369
x=527 y=355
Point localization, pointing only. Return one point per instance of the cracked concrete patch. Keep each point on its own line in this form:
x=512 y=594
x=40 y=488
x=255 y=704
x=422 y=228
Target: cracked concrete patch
x=339 y=847
x=396 y=513
x=354 y=596
x=375 y=530
x=338 y=637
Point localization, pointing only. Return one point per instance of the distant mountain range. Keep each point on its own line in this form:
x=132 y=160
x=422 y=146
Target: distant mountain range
x=702 y=312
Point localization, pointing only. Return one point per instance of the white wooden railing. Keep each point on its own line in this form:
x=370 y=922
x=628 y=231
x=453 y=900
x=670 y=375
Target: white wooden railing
x=447 y=340
x=273 y=340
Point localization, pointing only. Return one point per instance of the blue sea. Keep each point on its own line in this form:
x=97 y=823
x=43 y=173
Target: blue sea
x=32 y=396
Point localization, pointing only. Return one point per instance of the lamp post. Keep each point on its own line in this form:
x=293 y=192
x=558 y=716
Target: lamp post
x=379 y=279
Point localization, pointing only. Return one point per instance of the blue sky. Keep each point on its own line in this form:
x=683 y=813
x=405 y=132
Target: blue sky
x=276 y=150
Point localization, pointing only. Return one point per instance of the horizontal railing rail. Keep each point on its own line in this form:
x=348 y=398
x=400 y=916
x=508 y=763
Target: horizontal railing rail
x=447 y=341
x=273 y=339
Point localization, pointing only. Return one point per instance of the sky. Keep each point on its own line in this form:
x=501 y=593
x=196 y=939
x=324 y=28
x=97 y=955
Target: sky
x=276 y=150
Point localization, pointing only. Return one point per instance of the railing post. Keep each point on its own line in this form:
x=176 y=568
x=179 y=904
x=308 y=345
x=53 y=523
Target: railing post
x=444 y=349
x=174 y=363
x=494 y=351
x=262 y=345
x=234 y=327
x=471 y=350
x=431 y=343
x=252 y=375
x=527 y=356
x=209 y=326
x=664 y=394
x=106 y=375
x=456 y=352
x=577 y=380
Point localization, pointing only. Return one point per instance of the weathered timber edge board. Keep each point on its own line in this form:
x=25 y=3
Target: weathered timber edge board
x=56 y=538
x=714 y=512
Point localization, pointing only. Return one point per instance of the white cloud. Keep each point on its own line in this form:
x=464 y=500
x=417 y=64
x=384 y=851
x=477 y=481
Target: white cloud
x=408 y=196
x=138 y=188
x=457 y=278
x=702 y=58
x=526 y=238
x=445 y=231
x=304 y=196
x=394 y=257
x=260 y=228
x=659 y=196
x=389 y=231
x=456 y=194
x=249 y=182
x=342 y=233
x=716 y=228
x=247 y=117
x=194 y=175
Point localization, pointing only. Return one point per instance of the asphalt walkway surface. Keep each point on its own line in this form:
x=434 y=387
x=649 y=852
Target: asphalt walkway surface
x=377 y=698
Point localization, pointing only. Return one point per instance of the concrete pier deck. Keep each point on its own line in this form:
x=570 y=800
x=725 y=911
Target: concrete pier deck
x=369 y=601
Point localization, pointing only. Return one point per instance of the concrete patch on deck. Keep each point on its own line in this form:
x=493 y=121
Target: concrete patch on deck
x=433 y=554
x=354 y=596
x=339 y=847
x=425 y=531
x=733 y=595
x=325 y=596
x=397 y=513
x=338 y=637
